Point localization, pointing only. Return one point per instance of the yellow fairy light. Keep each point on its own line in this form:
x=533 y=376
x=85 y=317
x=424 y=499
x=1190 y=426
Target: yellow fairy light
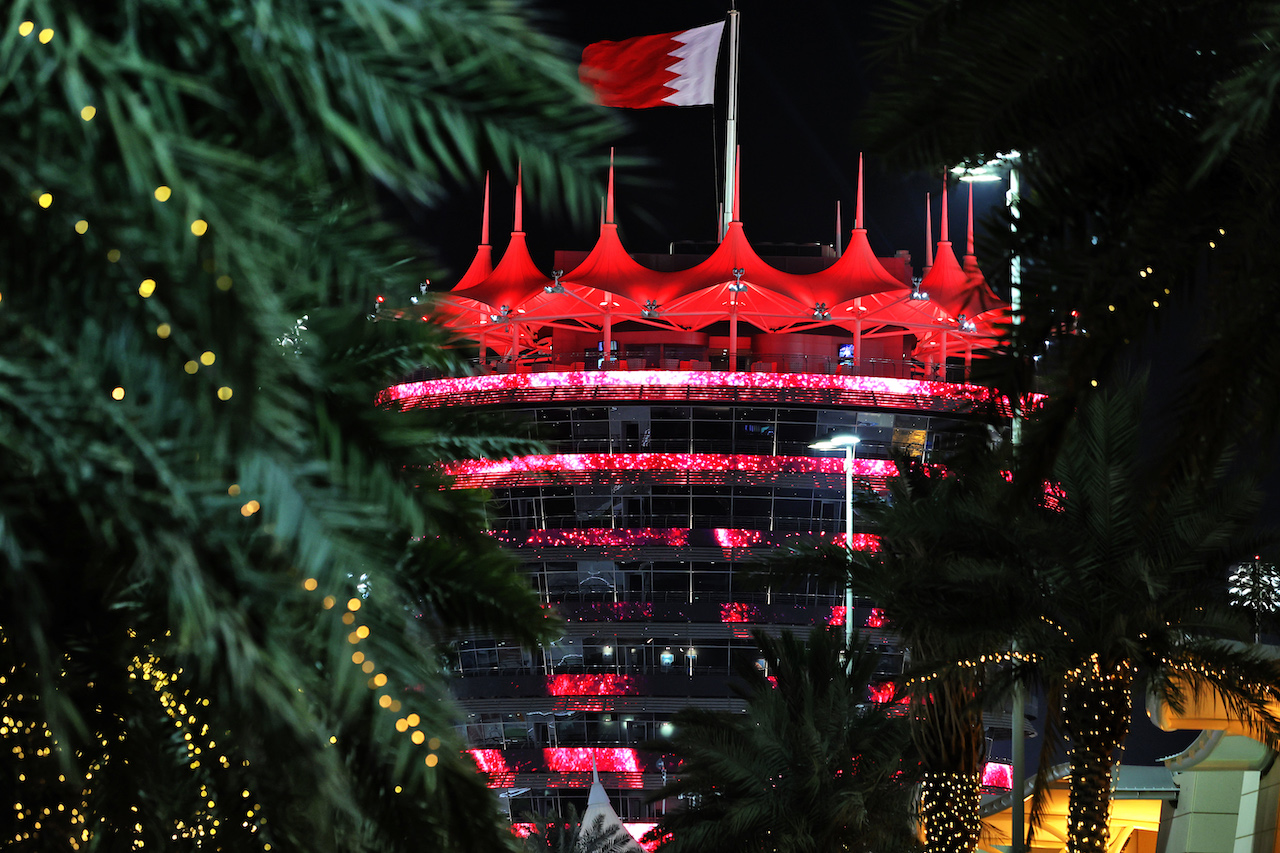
x=380 y=679
x=147 y=287
x=434 y=743
x=191 y=367
x=367 y=667
x=163 y=193
x=46 y=35
x=199 y=227
x=414 y=719
x=207 y=358
x=395 y=706
x=353 y=604
x=353 y=638
x=113 y=255
x=402 y=725
x=82 y=226
x=328 y=602
x=348 y=618
x=433 y=760
x=223 y=283
x=357 y=657
x=88 y=113
x=384 y=700
x=333 y=739
x=45 y=199
x=310 y=584
x=417 y=738
x=233 y=489
x=117 y=393
x=26 y=28
x=362 y=631
x=224 y=393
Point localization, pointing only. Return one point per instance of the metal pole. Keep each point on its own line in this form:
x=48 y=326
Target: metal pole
x=1017 y=817
x=731 y=125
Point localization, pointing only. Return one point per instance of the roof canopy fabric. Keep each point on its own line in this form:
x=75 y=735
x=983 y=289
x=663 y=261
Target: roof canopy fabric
x=855 y=292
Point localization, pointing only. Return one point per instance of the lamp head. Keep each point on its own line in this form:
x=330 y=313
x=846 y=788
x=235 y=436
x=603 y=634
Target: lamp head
x=835 y=442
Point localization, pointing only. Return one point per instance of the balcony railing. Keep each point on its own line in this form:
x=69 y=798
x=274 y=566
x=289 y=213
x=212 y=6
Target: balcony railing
x=719 y=360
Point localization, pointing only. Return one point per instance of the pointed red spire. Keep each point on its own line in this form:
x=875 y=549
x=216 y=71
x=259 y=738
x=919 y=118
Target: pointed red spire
x=484 y=222
x=519 y=224
x=737 y=182
x=857 y=215
x=608 y=211
x=928 y=231
x=968 y=246
x=943 y=238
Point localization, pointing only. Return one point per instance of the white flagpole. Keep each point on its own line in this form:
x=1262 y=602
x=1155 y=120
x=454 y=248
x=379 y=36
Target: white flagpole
x=731 y=125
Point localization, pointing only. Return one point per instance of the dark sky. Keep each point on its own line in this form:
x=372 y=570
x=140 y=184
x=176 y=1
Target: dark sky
x=803 y=83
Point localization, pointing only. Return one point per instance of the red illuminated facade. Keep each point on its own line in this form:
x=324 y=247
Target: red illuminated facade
x=676 y=398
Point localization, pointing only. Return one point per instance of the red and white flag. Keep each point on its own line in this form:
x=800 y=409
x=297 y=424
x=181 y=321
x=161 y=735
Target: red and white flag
x=671 y=69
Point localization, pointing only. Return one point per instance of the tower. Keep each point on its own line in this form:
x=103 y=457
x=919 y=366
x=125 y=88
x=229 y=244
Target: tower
x=677 y=397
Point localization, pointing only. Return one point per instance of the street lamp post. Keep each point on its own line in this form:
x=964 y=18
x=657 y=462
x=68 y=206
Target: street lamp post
x=849 y=443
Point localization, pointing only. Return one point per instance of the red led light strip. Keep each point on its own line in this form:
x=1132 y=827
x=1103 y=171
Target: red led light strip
x=579 y=759
x=591 y=685
x=738 y=612
x=731 y=539
x=491 y=763
x=596 y=537
x=997 y=775
x=677 y=467
x=872 y=391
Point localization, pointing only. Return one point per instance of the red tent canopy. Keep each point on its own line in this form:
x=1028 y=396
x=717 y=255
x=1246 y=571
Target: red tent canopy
x=512 y=281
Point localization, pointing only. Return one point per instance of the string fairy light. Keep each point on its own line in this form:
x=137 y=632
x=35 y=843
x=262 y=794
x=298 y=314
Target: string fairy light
x=63 y=811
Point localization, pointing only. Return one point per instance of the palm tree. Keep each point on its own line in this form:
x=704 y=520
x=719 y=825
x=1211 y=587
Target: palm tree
x=811 y=766
x=1144 y=130
x=225 y=576
x=1112 y=580
x=945 y=572
x=1128 y=572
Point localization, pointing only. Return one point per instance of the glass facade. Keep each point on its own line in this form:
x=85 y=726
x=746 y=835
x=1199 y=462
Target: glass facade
x=641 y=525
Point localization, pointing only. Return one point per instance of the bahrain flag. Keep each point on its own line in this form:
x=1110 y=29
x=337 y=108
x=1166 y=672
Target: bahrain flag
x=671 y=69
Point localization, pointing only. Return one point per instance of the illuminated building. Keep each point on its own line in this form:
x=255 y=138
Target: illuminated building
x=677 y=396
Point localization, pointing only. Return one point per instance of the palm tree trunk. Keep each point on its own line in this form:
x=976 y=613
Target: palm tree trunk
x=1096 y=716
x=947 y=729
